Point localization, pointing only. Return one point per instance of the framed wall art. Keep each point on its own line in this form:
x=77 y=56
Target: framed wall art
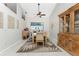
x=1 y=20
x=11 y=22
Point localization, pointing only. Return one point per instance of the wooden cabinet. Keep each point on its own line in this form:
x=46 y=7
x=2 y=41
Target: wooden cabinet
x=68 y=37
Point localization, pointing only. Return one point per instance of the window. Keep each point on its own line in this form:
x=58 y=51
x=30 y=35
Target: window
x=37 y=26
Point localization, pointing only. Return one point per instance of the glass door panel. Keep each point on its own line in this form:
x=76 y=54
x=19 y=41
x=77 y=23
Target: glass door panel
x=67 y=22
x=61 y=24
x=76 y=21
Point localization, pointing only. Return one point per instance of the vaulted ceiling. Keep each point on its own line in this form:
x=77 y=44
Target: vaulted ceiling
x=12 y=6
x=32 y=8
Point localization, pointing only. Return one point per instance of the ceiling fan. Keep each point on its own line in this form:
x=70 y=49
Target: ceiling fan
x=40 y=14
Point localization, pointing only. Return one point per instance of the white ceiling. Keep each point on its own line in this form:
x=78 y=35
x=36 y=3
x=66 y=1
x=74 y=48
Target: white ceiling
x=32 y=8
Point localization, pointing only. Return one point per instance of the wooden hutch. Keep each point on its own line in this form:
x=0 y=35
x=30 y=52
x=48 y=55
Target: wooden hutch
x=68 y=37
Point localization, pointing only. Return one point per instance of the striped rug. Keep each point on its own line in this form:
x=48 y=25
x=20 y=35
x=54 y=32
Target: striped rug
x=29 y=47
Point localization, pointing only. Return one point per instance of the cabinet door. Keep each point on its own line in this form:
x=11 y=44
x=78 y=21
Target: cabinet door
x=76 y=21
x=68 y=23
x=65 y=23
x=61 y=24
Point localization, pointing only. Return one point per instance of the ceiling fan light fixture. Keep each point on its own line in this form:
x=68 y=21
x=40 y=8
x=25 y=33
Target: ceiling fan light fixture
x=39 y=12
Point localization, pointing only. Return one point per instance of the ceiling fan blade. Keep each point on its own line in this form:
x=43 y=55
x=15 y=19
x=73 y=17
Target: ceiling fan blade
x=43 y=14
x=39 y=13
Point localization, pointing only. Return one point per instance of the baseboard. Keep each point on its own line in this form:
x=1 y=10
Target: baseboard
x=10 y=46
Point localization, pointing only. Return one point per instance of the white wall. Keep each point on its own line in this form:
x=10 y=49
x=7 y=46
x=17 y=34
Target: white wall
x=22 y=24
x=54 y=19
x=8 y=36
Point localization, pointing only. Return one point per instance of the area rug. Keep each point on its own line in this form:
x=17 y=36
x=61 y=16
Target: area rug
x=29 y=47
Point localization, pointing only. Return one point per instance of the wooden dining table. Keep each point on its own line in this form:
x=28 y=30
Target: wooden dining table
x=39 y=38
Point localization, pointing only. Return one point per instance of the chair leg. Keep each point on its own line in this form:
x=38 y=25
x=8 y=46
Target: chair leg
x=43 y=44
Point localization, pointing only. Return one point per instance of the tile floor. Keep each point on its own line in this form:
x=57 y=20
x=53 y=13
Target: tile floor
x=12 y=52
